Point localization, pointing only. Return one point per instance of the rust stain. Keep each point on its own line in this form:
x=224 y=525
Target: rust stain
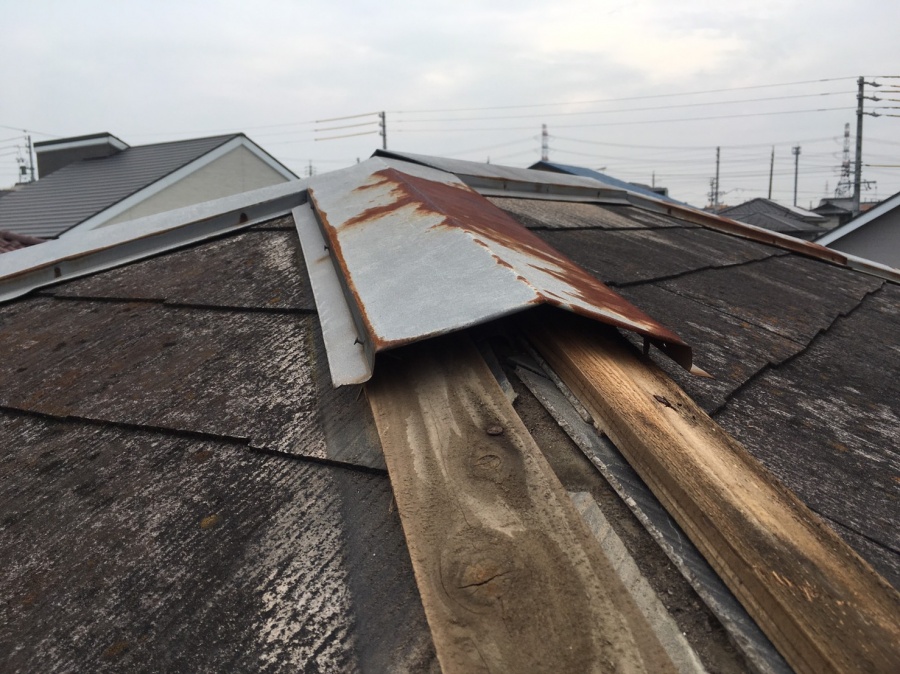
x=115 y=650
x=210 y=521
x=729 y=226
x=334 y=246
x=459 y=207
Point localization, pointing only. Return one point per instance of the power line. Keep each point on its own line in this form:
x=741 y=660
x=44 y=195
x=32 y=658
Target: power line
x=347 y=135
x=629 y=98
x=687 y=147
x=487 y=147
x=347 y=126
x=19 y=128
x=629 y=122
x=615 y=110
x=340 y=119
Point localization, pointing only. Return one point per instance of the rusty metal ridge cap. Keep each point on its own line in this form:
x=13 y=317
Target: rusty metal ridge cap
x=68 y=257
x=762 y=235
x=386 y=225
x=474 y=169
x=510 y=186
x=523 y=183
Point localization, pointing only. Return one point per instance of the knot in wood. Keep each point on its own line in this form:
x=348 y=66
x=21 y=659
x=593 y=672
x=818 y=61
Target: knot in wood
x=488 y=462
x=494 y=429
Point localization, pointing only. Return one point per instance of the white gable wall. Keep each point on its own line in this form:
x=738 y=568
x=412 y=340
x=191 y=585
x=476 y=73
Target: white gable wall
x=877 y=240
x=237 y=171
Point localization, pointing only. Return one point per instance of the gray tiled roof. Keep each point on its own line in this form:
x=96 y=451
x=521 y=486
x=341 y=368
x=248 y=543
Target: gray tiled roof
x=770 y=215
x=72 y=194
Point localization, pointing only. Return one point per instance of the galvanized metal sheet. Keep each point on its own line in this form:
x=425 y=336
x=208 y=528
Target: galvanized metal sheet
x=483 y=176
x=421 y=254
x=347 y=358
x=22 y=271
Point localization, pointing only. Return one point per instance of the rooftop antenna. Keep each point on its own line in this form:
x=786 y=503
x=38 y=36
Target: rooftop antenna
x=545 y=147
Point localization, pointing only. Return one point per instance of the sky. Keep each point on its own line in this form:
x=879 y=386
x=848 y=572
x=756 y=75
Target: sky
x=644 y=90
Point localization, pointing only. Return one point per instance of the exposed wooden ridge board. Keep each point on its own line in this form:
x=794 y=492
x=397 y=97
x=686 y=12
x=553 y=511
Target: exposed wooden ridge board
x=823 y=607
x=760 y=654
x=510 y=576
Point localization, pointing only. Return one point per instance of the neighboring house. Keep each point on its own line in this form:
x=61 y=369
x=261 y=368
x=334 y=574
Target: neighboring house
x=839 y=210
x=768 y=214
x=184 y=489
x=98 y=180
x=874 y=234
x=646 y=190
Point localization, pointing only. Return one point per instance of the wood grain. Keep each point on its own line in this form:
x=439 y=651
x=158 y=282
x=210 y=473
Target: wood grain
x=823 y=607
x=510 y=577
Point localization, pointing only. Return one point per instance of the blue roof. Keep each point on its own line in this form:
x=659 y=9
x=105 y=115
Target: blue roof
x=602 y=177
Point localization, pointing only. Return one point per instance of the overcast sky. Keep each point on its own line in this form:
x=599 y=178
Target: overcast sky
x=610 y=79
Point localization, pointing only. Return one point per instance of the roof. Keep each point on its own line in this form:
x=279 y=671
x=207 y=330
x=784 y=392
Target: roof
x=184 y=489
x=104 y=136
x=601 y=177
x=861 y=220
x=80 y=191
x=777 y=217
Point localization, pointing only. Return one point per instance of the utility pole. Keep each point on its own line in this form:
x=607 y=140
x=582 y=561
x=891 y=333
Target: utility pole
x=771 y=170
x=545 y=143
x=30 y=157
x=383 y=123
x=796 y=151
x=716 y=187
x=857 y=175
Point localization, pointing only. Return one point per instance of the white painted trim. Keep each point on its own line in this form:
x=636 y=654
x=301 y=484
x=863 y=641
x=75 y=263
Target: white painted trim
x=885 y=206
x=108 y=214
x=70 y=257
x=87 y=142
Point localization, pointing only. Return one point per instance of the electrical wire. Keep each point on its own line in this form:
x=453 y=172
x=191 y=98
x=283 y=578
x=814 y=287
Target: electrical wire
x=348 y=135
x=346 y=126
x=628 y=123
x=629 y=98
x=689 y=147
x=488 y=147
x=616 y=110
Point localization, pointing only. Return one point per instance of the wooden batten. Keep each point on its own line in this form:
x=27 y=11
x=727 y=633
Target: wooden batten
x=822 y=605
x=510 y=577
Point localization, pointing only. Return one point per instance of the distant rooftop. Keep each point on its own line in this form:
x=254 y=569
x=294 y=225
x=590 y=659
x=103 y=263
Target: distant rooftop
x=656 y=193
x=83 y=176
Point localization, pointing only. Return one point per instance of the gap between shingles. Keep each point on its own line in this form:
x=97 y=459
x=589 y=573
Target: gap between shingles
x=230 y=440
x=176 y=305
x=786 y=361
x=688 y=272
x=873 y=541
